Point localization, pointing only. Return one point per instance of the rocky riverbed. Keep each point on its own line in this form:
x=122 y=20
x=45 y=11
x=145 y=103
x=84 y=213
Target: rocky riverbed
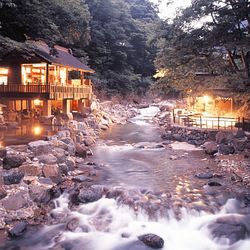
x=53 y=182
x=32 y=175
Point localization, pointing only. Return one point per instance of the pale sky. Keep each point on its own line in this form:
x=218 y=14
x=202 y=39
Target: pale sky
x=169 y=11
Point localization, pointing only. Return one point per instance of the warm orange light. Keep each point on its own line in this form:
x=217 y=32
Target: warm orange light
x=4 y=71
x=37 y=102
x=37 y=130
x=206 y=99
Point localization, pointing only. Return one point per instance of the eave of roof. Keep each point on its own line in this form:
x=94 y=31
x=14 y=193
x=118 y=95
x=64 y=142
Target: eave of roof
x=62 y=57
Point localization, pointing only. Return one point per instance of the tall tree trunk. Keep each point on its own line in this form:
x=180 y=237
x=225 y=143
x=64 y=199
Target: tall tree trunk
x=231 y=60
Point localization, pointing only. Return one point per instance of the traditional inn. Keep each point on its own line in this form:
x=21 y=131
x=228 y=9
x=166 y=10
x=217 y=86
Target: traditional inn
x=48 y=79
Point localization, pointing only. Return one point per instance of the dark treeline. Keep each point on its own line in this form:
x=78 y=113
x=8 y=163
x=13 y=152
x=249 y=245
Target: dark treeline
x=113 y=36
x=126 y=42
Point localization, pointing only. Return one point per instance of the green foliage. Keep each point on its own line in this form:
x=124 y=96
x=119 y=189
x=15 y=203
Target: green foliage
x=113 y=36
x=218 y=45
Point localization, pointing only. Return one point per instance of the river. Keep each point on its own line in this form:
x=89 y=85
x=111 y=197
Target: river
x=135 y=158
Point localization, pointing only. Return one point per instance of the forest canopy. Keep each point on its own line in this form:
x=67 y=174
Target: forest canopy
x=126 y=42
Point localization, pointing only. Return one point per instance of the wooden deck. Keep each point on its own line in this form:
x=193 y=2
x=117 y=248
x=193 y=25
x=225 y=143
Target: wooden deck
x=53 y=92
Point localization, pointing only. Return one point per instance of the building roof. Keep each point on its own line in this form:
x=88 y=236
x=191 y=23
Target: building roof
x=59 y=55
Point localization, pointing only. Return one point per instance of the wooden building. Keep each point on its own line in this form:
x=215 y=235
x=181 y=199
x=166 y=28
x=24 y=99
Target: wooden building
x=47 y=79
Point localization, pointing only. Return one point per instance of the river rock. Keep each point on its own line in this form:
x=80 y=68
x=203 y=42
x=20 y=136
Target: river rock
x=240 y=134
x=231 y=228
x=3 y=152
x=60 y=155
x=40 y=147
x=91 y=194
x=82 y=178
x=210 y=147
x=47 y=159
x=71 y=164
x=53 y=172
x=89 y=141
x=3 y=193
x=18 y=230
x=14 y=202
x=226 y=149
x=239 y=144
x=152 y=240
x=208 y=175
x=81 y=151
x=12 y=177
x=13 y=160
x=39 y=194
x=214 y=184
x=31 y=169
x=221 y=137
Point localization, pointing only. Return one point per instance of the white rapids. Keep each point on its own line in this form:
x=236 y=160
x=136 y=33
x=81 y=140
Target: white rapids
x=108 y=222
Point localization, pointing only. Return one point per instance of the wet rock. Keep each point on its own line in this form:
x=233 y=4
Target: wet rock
x=240 y=134
x=70 y=162
x=3 y=193
x=12 y=177
x=221 y=137
x=239 y=144
x=226 y=149
x=60 y=154
x=152 y=240
x=40 y=147
x=82 y=178
x=230 y=228
x=210 y=147
x=81 y=151
x=91 y=194
x=89 y=141
x=53 y=172
x=31 y=169
x=208 y=175
x=47 y=159
x=14 y=202
x=39 y=194
x=18 y=230
x=3 y=152
x=13 y=160
x=214 y=184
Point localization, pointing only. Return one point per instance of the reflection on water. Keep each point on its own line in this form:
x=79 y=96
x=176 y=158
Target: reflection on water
x=25 y=132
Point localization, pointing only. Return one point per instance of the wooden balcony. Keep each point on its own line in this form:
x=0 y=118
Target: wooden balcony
x=53 y=92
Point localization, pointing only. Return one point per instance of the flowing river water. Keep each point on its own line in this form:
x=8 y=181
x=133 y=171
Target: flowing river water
x=135 y=158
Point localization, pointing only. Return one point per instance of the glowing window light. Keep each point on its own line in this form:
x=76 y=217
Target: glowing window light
x=37 y=130
x=37 y=102
x=206 y=99
x=4 y=71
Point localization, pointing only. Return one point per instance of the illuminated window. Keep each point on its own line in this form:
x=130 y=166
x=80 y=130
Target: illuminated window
x=4 y=76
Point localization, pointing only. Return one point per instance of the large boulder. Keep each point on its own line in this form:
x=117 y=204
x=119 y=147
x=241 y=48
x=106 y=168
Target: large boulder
x=152 y=240
x=229 y=227
x=13 y=160
x=40 y=147
x=31 y=169
x=47 y=159
x=226 y=149
x=81 y=151
x=18 y=230
x=39 y=194
x=12 y=177
x=53 y=172
x=15 y=202
x=91 y=194
x=221 y=137
x=210 y=147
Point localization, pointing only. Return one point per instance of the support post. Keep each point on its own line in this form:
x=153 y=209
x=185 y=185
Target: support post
x=46 y=109
x=66 y=106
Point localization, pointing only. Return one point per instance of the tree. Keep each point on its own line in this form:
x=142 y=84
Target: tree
x=219 y=46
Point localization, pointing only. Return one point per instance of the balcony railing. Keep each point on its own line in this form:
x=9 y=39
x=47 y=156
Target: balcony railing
x=54 y=91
